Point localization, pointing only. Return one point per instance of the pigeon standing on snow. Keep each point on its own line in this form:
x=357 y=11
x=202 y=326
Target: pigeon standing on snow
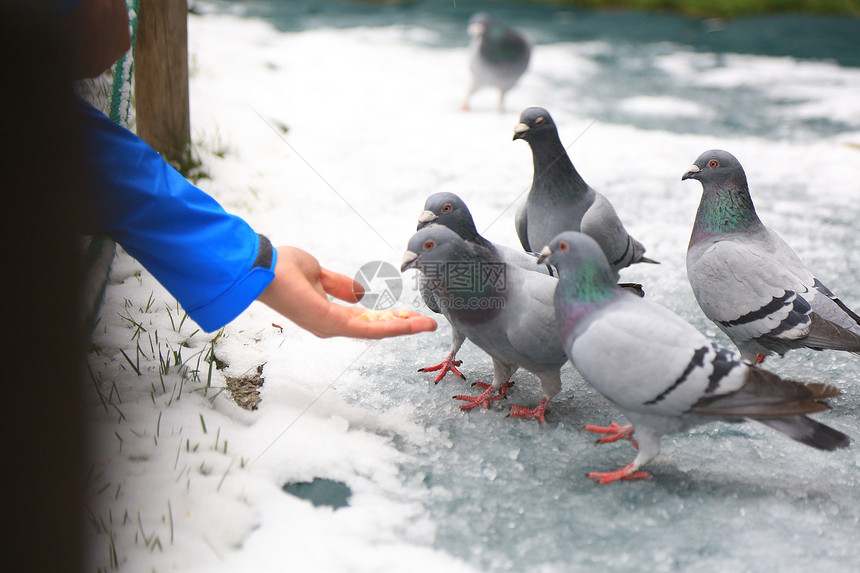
x=503 y=309
x=560 y=200
x=662 y=373
x=449 y=210
x=749 y=281
x=499 y=56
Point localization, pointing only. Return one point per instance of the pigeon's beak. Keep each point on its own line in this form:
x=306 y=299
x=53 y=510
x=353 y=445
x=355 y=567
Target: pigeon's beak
x=545 y=253
x=426 y=218
x=475 y=29
x=691 y=172
x=520 y=131
x=409 y=259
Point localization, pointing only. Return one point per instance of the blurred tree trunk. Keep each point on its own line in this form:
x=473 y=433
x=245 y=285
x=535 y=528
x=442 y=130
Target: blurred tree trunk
x=161 y=78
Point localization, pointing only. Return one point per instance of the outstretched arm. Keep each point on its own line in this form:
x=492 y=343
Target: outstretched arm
x=299 y=291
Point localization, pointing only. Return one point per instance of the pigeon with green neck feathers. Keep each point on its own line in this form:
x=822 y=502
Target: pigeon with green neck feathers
x=500 y=307
x=748 y=280
x=663 y=374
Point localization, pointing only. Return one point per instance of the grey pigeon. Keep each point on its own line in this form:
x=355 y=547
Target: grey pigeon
x=499 y=56
x=749 y=281
x=560 y=200
x=502 y=308
x=449 y=210
x=662 y=373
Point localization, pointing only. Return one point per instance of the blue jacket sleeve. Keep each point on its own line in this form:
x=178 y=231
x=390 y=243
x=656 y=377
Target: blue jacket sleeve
x=213 y=262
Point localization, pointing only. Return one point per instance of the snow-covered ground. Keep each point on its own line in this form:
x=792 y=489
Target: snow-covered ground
x=330 y=139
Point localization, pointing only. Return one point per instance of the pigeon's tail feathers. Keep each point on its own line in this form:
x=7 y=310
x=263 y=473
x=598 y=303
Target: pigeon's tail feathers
x=848 y=312
x=765 y=395
x=782 y=405
x=635 y=288
x=822 y=391
x=639 y=254
x=853 y=317
x=808 y=431
x=824 y=334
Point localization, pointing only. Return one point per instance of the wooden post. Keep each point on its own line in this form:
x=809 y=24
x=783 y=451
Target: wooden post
x=161 y=77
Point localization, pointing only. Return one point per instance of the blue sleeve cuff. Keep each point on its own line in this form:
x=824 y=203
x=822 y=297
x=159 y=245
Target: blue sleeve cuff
x=212 y=261
x=236 y=299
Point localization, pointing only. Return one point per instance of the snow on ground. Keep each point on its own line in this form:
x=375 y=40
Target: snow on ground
x=329 y=140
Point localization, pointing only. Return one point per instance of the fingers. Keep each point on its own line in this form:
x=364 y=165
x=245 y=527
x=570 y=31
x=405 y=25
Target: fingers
x=358 y=327
x=395 y=327
x=340 y=286
x=299 y=293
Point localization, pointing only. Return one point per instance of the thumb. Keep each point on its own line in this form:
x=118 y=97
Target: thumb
x=341 y=286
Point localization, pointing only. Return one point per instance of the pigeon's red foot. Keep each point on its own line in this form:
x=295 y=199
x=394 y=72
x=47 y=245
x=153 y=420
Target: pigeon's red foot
x=759 y=358
x=625 y=473
x=486 y=397
x=538 y=413
x=615 y=433
x=447 y=365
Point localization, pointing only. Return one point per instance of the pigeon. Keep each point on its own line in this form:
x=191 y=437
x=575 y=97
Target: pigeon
x=560 y=200
x=662 y=373
x=749 y=281
x=449 y=210
x=502 y=308
x=499 y=56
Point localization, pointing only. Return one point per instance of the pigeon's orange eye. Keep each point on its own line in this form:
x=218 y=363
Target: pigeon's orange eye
x=429 y=245
x=447 y=208
x=713 y=163
x=539 y=121
x=563 y=246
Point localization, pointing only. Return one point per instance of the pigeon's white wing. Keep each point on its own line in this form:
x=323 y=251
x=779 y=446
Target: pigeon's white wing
x=531 y=325
x=601 y=223
x=522 y=225
x=645 y=358
x=823 y=301
x=828 y=306
x=749 y=290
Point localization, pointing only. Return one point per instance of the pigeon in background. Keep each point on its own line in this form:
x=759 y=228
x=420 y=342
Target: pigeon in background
x=749 y=281
x=499 y=55
x=560 y=200
x=662 y=373
x=502 y=308
x=449 y=210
